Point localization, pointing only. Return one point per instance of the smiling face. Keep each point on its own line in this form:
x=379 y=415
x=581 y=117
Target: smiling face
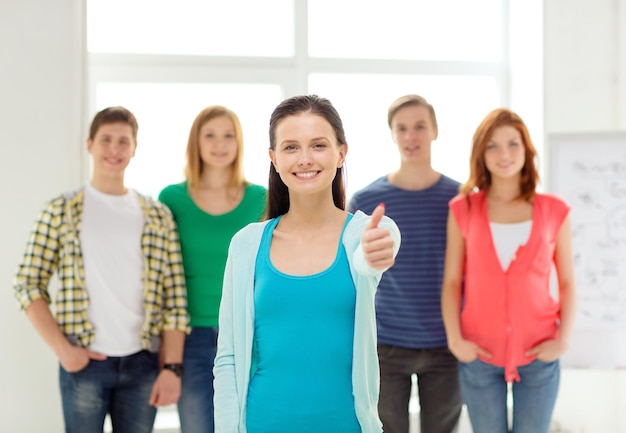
x=218 y=143
x=306 y=155
x=505 y=154
x=412 y=129
x=112 y=148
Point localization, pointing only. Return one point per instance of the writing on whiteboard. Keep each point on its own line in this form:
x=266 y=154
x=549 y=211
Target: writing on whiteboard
x=593 y=181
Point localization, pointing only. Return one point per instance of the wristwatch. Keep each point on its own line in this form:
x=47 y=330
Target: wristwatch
x=177 y=368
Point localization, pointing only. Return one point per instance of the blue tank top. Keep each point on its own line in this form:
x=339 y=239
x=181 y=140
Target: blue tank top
x=303 y=339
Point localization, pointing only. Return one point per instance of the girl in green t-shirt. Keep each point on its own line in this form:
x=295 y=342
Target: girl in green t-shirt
x=209 y=207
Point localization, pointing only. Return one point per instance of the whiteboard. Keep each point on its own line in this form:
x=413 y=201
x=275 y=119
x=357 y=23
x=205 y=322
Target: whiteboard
x=588 y=171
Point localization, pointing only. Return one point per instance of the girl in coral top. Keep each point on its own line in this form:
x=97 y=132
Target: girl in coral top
x=502 y=322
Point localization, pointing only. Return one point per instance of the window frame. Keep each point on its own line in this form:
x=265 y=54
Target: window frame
x=290 y=73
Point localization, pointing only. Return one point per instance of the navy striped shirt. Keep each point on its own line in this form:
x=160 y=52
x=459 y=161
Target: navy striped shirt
x=408 y=305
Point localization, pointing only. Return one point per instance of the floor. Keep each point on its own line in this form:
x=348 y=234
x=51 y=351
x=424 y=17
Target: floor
x=167 y=422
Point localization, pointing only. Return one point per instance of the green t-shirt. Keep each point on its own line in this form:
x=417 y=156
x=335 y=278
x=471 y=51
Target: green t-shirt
x=204 y=240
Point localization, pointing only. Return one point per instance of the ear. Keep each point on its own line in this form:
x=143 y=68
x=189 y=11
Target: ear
x=343 y=151
x=272 y=156
x=435 y=134
x=89 y=145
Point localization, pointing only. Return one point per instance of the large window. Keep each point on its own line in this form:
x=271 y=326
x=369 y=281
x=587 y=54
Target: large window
x=442 y=30
x=193 y=27
x=167 y=60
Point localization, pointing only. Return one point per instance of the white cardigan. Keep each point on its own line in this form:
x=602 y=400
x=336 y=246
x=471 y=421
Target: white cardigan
x=234 y=363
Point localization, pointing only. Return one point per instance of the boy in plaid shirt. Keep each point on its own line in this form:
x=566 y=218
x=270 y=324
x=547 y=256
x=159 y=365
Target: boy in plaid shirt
x=120 y=314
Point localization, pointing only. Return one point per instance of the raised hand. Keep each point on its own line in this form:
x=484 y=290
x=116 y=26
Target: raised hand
x=376 y=242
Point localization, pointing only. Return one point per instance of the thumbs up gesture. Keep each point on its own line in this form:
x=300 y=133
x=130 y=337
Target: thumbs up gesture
x=376 y=242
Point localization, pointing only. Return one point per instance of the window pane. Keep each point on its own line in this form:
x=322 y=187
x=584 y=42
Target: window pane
x=193 y=27
x=460 y=103
x=165 y=113
x=458 y=30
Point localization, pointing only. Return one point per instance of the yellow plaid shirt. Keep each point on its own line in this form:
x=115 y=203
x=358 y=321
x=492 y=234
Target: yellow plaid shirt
x=54 y=245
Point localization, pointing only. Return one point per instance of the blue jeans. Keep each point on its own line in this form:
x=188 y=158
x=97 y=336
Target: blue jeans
x=484 y=391
x=437 y=385
x=195 y=407
x=119 y=386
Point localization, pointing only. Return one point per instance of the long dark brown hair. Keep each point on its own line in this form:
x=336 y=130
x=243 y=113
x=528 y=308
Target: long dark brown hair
x=278 y=193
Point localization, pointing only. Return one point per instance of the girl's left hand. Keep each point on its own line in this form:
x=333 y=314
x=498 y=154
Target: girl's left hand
x=376 y=242
x=549 y=350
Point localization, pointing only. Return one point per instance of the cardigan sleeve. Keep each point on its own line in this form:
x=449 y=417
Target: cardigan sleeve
x=226 y=401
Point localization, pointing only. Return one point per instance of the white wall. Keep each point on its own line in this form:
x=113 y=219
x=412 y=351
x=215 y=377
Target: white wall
x=582 y=65
x=40 y=124
x=585 y=90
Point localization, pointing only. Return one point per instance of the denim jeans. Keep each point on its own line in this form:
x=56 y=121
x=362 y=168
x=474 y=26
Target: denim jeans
x=195 y=407
x=119 y=386
x=438 y=388
x=485 y=394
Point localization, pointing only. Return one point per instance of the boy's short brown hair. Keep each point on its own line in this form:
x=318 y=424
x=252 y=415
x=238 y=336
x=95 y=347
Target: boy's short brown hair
x=410 y=101
x=113 y=115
